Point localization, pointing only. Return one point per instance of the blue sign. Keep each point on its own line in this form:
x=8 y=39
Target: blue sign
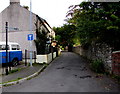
x=30 y=37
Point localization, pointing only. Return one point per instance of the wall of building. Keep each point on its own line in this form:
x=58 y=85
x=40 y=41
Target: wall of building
x=0 y=26
x=0 y=22
x=21 y=38
x=17 y=17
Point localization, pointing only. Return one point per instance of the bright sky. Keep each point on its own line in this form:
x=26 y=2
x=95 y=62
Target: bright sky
x=54 y=11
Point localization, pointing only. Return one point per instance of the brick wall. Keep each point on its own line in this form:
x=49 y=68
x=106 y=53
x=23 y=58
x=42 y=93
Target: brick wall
x=116 y=63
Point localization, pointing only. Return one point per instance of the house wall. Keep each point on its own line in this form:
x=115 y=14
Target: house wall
x=17 y=17
x=0 y=26
x=0 y=21
x=21 y=38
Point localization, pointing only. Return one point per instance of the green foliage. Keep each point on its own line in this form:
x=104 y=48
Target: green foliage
x=97 y=66
x=26 y=7
x=117 y=77
x=65 y=34
x=15 y=70
x=41 y=38
x=96 y=22
x=41 y=42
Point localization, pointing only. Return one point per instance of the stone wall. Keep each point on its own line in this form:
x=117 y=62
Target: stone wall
x=97 y=51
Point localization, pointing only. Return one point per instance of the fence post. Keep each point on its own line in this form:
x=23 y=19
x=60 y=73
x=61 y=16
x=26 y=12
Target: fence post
x=34 y=56
x=25 y=57
x=57 y=51
x=52 y=51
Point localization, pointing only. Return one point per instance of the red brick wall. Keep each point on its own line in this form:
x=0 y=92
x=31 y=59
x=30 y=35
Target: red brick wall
x=116 y=63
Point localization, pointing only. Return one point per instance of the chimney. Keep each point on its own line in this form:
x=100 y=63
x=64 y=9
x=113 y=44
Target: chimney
x=15 y=2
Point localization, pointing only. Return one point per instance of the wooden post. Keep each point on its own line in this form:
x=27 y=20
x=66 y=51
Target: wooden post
x=52 y=51
x=25 y=57
x=34 y=56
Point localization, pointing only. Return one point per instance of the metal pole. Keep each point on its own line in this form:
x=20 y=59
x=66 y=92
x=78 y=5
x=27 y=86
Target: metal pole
x=35 y=56
x=6 y=48
x=31 y=31
x=25 y=57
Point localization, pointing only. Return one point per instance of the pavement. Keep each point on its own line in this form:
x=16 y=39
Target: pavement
x=20 y=74
x=67 y=73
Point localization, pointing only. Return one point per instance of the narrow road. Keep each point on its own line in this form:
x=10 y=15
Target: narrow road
x=67 y=73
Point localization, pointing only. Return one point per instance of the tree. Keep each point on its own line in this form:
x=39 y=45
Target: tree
x=96 y=22
x=26 y=7
x=41 y=39
x=65 y=34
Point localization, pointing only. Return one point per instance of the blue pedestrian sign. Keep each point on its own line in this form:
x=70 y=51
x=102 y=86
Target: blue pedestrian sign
x=30 y=37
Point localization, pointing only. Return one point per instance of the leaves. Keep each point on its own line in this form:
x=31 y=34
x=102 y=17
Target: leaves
x=65 y=34
x=97 y=21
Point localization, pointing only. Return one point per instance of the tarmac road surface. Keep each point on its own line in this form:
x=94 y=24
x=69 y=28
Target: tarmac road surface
x=67 y=73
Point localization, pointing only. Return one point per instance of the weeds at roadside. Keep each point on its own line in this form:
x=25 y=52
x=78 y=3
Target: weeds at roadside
x=97 y=66
x=15 y=70
x=11 y=80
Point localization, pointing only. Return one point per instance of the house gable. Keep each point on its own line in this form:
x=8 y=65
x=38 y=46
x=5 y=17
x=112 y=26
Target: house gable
x=17 y=17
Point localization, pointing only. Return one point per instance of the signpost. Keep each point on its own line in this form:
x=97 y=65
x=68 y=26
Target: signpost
x=7 y=29
x=30 y=36
x=6 y=48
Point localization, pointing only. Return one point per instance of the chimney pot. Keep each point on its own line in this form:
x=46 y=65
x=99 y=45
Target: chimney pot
x=14 y=1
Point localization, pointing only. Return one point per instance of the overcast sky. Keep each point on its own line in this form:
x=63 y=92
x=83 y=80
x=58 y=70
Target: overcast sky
x=54 y=11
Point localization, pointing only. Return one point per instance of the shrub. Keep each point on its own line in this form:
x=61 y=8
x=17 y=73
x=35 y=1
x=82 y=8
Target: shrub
x=97 y=66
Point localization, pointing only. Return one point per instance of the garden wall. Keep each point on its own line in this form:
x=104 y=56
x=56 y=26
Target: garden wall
x=45 y=58
x=116 y=63
x=97 y=51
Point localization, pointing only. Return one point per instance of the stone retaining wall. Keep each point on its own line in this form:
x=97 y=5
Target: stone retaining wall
x=97 y=51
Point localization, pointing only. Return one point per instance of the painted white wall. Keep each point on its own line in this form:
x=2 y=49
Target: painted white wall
x=0 y=23
x=54 y=54
x=45 y=58
x=21 y=38
x=41 y=59
x=0 y=26
x=17 y=17
x=49 y=57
